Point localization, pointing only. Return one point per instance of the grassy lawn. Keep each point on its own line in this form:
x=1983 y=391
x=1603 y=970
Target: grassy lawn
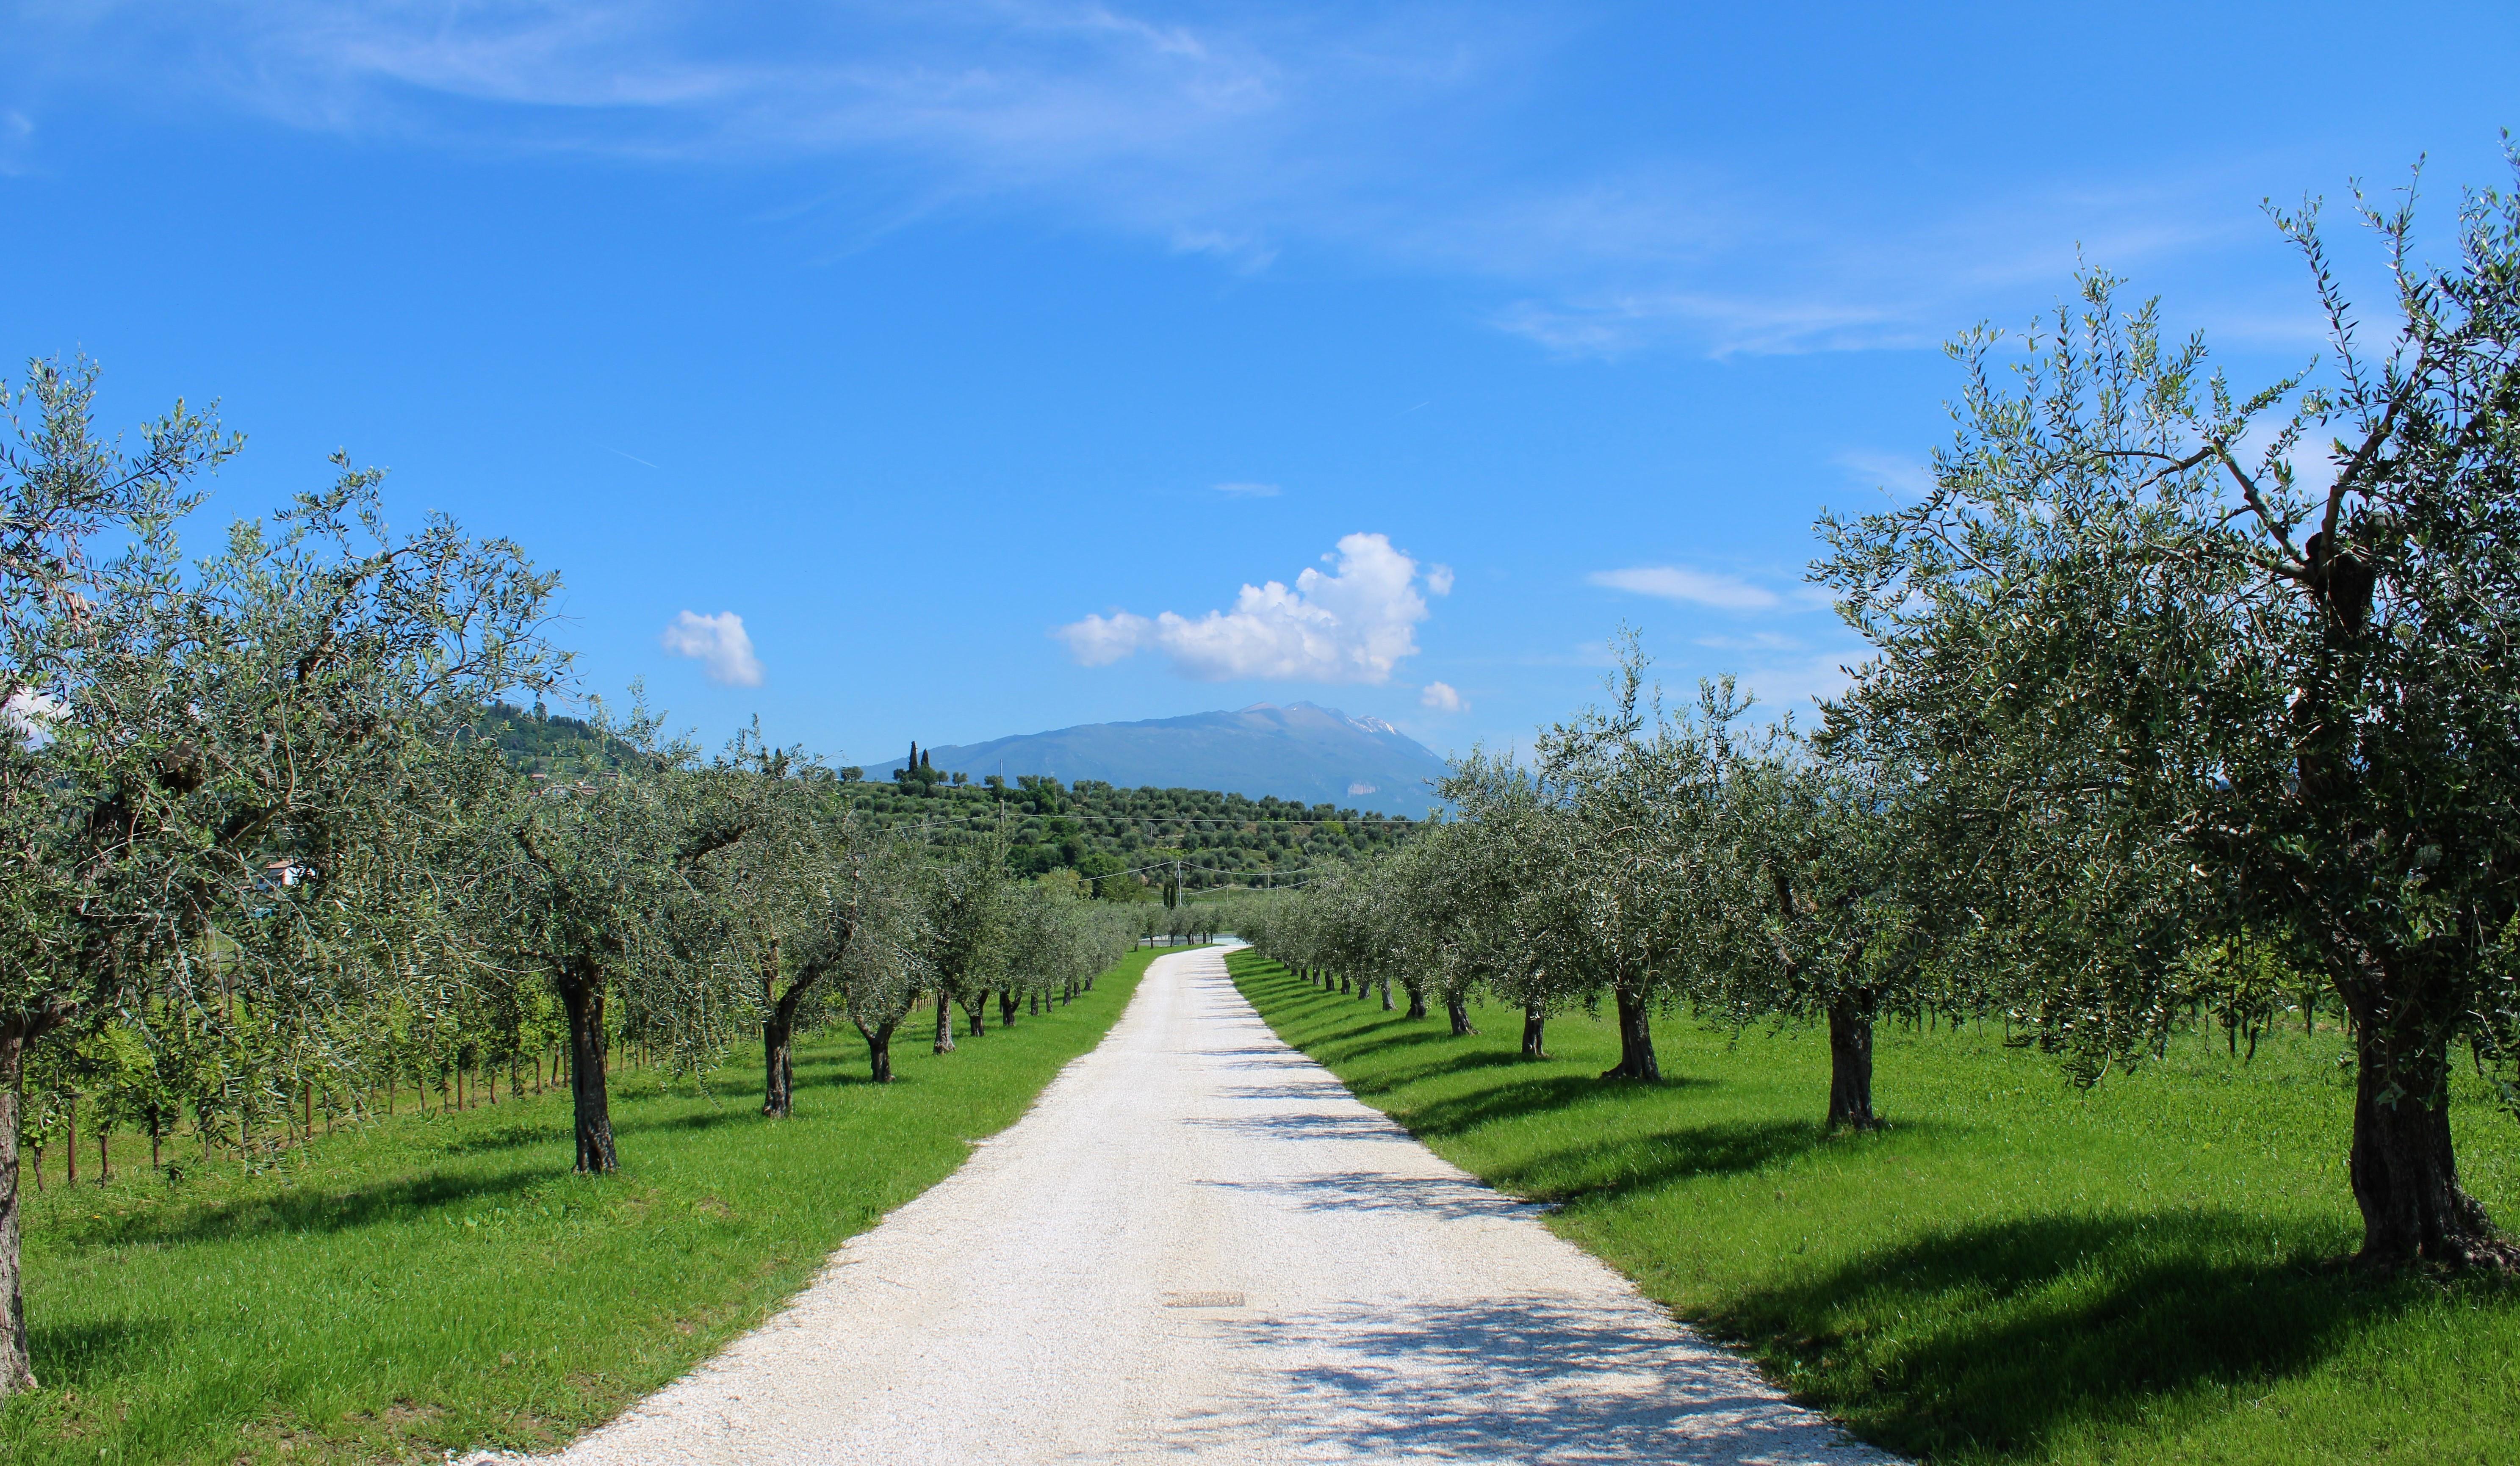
x=2015 y=1271
x=421 y=1284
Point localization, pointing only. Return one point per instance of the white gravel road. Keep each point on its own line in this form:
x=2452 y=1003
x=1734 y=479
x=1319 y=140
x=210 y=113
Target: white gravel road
x=1198 y=1244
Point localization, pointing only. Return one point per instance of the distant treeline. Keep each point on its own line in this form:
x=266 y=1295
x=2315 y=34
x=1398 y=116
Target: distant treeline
x=1111 y=836
x=1099 y=829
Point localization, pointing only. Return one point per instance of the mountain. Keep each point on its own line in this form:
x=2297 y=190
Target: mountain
x=1303 y=751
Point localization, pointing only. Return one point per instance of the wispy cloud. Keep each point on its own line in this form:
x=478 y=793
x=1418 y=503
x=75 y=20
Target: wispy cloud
x=17 y=142
x=1765 y=640
x=1352 y=625
x=721 y=646
x=1369 y=131
x=1680 y=583
x=1907 y=477
x=1791 y=683
x=1248 y=490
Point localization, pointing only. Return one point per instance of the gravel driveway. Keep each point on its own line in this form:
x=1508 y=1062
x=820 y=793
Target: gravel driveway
x=1198 y=1244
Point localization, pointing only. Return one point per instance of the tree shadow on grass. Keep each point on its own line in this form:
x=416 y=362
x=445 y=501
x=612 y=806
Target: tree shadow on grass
x=1522 y=1099
x=1998 y=1338
x=552 y=1131
x=1621 y=1163
x=73 y=1355
x=1386 y=1080
x=306 y=1209
x=728 y=1112
x=1394 y=1032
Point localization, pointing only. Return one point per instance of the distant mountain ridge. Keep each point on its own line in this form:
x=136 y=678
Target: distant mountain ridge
x=1299 y=751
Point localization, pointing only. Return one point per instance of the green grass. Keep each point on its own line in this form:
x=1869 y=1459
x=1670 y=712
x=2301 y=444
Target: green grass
x=424 y=1284
x=2017 y=1272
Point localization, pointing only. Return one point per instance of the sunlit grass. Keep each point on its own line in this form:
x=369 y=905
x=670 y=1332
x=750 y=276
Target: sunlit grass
x=425 y=1284
x=2016 y=1270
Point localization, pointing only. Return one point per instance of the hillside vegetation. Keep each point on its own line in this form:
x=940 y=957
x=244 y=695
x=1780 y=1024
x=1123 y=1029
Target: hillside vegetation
x=1095 y=829
x=1099 y=829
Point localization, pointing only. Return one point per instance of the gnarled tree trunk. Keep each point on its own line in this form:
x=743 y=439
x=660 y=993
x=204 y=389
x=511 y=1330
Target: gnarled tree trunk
x=878 y=1042
x=1460 y=1012
x=1635 y=1038
x=1535 y=1019
x=16 y=1364
x=944 y=1021
x=1006 y=1007
x=581 y=994
x=777 y=1035
x=780 y=1039
x=2404 y=1172
x=1850 y=1062
x=1417 y=999
x=975 y=1006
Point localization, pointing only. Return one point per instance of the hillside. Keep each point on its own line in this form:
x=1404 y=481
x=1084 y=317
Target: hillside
x=540 y=741
x=1301 y=751
x=1096 y=828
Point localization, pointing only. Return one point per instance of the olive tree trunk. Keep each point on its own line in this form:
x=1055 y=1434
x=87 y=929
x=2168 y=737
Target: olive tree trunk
x=778 y=1071
x=1535 y=1019
x=1417 y=999
x=1460 y=1012
x=878 y=1042
x=1007 y=1004
x=17 y=1365
x=944 y=1021
x=1850 y=1062
x=1635 y=1038
x=2404 y=1172
x=581 y=994
x=975 y=1006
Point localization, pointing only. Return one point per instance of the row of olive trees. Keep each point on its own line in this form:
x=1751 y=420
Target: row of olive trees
x=2181 y=702
x=252 y=850
x=1654 y=859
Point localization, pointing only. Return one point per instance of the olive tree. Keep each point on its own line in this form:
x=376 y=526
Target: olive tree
x=597 y=884
x=1632 y=786
x=1810 y=882
x=2189 y=665
x=1510 y=851
x=218 y=774
x=961 y=901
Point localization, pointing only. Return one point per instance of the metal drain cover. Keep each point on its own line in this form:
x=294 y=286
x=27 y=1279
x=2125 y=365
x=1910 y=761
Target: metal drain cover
x=1202 y=1300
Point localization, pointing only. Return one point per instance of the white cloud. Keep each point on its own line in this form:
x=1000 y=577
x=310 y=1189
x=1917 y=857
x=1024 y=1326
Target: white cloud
x=1443 y=697
x=723 y=648
x=1439 y=580
x=1695 y=586
x=1352 y=625
x=27 y=717
x=1247 y=490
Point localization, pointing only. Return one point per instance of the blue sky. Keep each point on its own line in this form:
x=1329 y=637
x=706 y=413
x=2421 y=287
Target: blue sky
x=949 y=371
